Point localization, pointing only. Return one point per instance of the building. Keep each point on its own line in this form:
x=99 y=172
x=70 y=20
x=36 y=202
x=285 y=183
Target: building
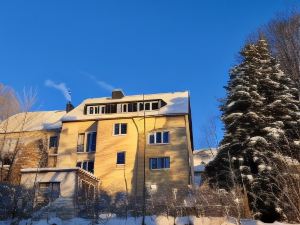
x=124 y=142
x=201 y=158
x=29 y=139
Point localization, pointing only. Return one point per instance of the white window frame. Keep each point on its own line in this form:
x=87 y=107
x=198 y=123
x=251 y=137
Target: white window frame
x=164 y=168
x=98 y=107
x=162 y=137
x=85 y=141
x=120 y=125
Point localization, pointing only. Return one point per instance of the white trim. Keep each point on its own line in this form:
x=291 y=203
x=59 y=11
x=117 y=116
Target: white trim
x=162 y=137
x=120 y=129
x=85 y=141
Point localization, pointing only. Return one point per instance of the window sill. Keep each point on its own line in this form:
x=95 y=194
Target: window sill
x=162 y=169
x=86 y=152
x=158 y=144
x=116 y=135
x=120 y=166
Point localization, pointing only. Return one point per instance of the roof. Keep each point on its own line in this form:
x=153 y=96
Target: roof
x=177 y=103
x=57 y=170
x=32 y=121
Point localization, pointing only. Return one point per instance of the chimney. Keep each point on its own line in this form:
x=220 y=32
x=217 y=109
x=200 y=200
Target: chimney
x=69 y=107
x=117 y=94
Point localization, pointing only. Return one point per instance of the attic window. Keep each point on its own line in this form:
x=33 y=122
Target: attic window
x=124 y=107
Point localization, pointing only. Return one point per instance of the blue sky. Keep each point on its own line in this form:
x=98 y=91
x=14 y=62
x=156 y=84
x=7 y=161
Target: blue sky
x=139 y=46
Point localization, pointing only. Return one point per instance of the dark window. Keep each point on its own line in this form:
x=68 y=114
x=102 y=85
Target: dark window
x=91 y=110
x=151 y=139
x=120 y=128
x=53 y=142
x=117 y=128
x=86 y=165
x=107 y=109
x=141 y=107
x=80 y=143
x=91 y=142
x=124 y=108
x=147 y=106
x=159 y=163
x=123 y=128
x=90 y=166
x=134 y=107
x=129 y=107
x=154 y=105
x=102 y=109
x=113 y=108
x=121 y=158
x=97 y=110
x=158 y=137
x=166 y=137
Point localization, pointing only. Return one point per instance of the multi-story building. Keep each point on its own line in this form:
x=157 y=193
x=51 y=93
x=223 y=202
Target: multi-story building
x=125 y=142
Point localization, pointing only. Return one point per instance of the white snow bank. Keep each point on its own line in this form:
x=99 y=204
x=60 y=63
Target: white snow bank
x=149 y=220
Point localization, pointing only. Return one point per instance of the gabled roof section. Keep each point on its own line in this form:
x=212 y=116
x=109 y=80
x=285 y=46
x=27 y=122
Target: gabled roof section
x=176 y=103
x=32 y=121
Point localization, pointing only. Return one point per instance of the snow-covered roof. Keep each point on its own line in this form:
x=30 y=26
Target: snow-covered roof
x=176 y=103
x=32 y=121
x=202 y=157
x=55 y=169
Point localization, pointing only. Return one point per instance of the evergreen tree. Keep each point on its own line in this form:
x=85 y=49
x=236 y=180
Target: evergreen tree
x=262 y=119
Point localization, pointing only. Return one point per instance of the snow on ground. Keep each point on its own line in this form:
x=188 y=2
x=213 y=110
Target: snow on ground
x=149 y=220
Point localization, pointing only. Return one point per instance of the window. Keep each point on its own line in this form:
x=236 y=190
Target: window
x=141 y=106
x=120 y=158
x=91 y=110
x=102 y=109
x=53 y=142
x=80 y=143
x=147 y=106
x=91 y=142
x=86 y=165
x=159 y=163
x=48 y=191
x=120 y=128
x=155 y=105
x=160 y=137
x=124 y=109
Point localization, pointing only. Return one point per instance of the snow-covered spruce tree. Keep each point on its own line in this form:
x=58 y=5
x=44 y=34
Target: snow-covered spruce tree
x=262 y=119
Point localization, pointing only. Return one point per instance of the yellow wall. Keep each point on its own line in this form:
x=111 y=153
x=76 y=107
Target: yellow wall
x=115 y=178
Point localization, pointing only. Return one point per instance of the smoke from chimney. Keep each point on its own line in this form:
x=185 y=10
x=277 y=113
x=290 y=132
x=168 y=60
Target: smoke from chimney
x=61 y=87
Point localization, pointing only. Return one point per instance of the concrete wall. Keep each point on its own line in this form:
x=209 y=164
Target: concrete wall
x=67 y=181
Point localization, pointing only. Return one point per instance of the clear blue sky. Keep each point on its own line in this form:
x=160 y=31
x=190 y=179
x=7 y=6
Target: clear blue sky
x=140 y=46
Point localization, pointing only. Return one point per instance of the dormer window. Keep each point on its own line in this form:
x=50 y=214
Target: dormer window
x=126 y=107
